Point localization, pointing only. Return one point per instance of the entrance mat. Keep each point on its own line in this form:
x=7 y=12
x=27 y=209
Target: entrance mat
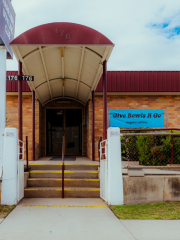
x=65 y=159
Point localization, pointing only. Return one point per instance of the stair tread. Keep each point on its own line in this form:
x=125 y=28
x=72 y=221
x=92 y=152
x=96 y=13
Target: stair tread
x=60 y=164
x=73 y=188
x=65 y=171
x=66 y=179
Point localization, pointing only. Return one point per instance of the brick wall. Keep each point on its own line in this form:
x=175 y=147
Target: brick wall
x=131 y=102
x=12 y=116
x=114 y=102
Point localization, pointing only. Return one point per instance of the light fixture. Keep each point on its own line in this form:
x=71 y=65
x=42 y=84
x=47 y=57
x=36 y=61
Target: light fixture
x=59 y=112
x=63 y=101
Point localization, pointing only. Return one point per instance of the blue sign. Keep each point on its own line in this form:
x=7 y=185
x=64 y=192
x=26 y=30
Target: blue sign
x=137 y=118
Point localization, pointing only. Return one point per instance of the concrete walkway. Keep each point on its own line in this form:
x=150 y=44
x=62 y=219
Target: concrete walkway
x=57 y=221
x=79 y=219
x=153 y=229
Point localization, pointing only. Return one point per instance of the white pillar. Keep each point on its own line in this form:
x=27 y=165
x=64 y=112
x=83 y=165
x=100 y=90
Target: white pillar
x=3 y=54
x=115 y=180
x=10 y=184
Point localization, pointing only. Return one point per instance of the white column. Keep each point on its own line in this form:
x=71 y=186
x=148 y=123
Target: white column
x=115 y=180
x=3 y=54
x=10 y=183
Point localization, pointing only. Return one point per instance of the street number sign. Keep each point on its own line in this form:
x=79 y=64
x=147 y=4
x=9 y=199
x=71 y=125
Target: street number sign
x=19 y=77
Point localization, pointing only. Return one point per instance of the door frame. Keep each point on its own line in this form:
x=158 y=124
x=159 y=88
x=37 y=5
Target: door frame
x=63 y=108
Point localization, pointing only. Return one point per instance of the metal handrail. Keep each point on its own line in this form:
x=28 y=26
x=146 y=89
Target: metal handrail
x=63 y=166
x=151 y=134
x=103 y=147
x=20 y=152
x=27 y=163
x=100 y=140
x=19 y=149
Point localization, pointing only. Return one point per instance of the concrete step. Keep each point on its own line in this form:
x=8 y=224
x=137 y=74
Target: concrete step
x=67 y=166
x=39 y=192
x=67 y=174
x=57 y=182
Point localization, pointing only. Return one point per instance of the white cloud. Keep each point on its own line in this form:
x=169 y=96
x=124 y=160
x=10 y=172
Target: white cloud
x=128 y=24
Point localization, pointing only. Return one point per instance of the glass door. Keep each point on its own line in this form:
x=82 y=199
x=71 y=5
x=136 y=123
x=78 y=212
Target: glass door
x=73 y=132
x=64 y=121
x=54 y=131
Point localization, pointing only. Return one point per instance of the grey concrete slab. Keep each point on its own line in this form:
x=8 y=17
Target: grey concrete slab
x=153 y=229
x=1 y=220
x=160 y=172
x=154 y=172
x=79 y=160
x=75 y=223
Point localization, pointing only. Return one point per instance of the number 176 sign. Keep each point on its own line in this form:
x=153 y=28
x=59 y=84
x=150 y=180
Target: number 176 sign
x=19 y=77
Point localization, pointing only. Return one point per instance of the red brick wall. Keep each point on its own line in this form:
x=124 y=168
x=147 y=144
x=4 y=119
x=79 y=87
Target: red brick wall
x=12 y=116
x=114 y=102
x=131 y=102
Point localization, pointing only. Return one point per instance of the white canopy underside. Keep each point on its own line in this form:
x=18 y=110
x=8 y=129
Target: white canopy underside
x=63 y=72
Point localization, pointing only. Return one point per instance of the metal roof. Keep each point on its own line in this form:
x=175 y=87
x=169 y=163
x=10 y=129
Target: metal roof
x=142 y=81
x=127 y=81
x=64 y=58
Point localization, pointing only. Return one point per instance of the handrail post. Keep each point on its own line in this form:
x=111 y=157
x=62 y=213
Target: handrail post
x=100 y=140
x=27 y=163
x=93 y=126
x=20 y=117
x=172 y=142
x=153 y=147
x=33 y=126
x=63 y=167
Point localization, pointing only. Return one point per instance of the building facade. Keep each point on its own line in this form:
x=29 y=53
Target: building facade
x=126 y=90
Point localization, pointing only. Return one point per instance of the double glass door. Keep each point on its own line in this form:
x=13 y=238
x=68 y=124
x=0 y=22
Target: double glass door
x=67 y=122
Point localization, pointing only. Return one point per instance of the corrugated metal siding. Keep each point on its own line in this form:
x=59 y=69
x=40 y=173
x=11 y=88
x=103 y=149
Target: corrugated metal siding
x=142 y=81
x=12 y=86
x=125 y=81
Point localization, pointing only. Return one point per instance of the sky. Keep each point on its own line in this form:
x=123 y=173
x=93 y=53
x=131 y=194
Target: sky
x=146 y=33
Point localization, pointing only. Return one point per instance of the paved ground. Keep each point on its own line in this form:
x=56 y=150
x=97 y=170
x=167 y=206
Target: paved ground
x=1 y=220
x=153 y=229
x=46 y=160
x=54 y=223
x=79 y=219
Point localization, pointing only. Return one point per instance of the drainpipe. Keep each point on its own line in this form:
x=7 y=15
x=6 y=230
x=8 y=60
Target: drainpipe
x=33 y=125
x=104 y=100
x=20 y=105
x=93 y=126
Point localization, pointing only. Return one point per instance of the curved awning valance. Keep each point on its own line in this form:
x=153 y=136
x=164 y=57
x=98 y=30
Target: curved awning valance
x=64 y=58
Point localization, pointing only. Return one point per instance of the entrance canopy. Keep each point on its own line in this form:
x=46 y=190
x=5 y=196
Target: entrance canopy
x=64 y=58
